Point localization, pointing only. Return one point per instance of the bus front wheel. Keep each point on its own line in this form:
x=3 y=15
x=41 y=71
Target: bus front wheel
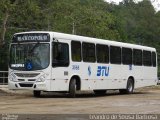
x=72 y=88
x=129 y=89
x=36 y=93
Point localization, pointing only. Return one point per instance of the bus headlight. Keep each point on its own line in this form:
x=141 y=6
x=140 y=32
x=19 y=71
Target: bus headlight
x=13 y=77
x=42 y=78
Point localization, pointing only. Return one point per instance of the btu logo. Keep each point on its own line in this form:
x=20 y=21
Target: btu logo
x=102 y=71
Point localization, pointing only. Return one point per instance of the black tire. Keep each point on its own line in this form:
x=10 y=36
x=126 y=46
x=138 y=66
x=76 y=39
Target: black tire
x=122 y=91
x=72 y=88
x=129 y=89
x=100 y=92
x=36 y=93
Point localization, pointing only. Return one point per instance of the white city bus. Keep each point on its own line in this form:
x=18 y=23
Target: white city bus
x=51 y=61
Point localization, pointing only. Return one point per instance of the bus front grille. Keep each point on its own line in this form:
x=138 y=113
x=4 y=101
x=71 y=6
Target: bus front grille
x=21 y=80
x=25 y=85
x=31 y=79
x=27 y=74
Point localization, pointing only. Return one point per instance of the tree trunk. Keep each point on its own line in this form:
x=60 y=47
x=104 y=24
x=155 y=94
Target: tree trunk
x=3 y=30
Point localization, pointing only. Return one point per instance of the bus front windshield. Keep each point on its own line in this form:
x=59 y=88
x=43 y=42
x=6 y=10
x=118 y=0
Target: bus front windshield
x=33 y=56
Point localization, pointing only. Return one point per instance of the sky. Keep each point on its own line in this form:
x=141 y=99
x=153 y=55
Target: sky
x=155 y=3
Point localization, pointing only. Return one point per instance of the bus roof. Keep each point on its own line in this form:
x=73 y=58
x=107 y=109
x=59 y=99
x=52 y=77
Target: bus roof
x=92 y=40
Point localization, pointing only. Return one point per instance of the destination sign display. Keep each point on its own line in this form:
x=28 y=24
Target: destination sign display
x=31 y=37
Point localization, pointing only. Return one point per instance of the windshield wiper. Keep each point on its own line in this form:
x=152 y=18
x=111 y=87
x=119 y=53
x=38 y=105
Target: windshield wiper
x=35 y=46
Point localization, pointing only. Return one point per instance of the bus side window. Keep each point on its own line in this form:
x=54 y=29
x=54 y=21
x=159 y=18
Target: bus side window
x=147 y=60
x=88 y=52
x=154 y=64
x=102 y=53
x=60 y=54
x=115 y=55
x=126 y=56
x=137 y=57
x=76 y=51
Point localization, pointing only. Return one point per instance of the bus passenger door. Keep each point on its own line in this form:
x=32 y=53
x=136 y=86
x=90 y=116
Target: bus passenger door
x=60 y=64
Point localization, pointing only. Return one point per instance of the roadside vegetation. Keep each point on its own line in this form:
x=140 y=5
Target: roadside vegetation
x=129 y=22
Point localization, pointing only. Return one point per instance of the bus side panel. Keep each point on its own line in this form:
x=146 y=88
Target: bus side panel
x=137 y=75
x=148 y=76
x=60 y=78
x=88 y=74
x=104 y=76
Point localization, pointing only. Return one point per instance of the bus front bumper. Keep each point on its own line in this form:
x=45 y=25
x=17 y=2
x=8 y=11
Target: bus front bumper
x=42 y=86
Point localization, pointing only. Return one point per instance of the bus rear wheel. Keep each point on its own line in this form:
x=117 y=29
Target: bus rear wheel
x=72 y=88
x=130 y=87
x=100 y=92
x=36 y=93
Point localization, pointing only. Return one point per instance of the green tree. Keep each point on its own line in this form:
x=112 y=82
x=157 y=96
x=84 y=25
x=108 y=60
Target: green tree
x=6 y=8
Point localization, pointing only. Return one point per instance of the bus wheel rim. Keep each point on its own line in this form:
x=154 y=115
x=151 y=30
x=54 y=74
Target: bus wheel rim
x=130 y=87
